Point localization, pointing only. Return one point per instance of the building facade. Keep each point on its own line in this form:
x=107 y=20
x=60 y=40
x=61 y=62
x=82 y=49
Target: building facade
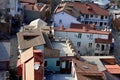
x=65 y=14
x=86 y=41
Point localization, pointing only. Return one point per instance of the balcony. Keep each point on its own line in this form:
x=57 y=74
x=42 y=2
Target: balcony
x=99 y=52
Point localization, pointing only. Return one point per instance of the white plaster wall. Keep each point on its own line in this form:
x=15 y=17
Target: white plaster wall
x=66 y=19
x=85 y=40
x=73 y=72
x=95 y=19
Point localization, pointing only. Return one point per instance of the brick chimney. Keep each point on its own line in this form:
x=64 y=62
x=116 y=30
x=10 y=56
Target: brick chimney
x=62 y=27
x=84 y=28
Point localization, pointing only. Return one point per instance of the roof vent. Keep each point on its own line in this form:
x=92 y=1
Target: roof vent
x=85 y=67
x=88 y=7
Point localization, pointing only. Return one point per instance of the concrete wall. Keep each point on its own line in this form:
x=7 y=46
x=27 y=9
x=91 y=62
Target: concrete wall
x=51 y=64
x=85 y=39
x=65 y=18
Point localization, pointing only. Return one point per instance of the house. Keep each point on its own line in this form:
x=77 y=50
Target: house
x=112 y=68
x=85 y=39
x=40 y=10
x=58 y=56
x=83 y=70
x=37 y=24
x=30 y=38
x=105 y=64
x=52 y=61
x=102 y=3
x=65 y=14
x=91 y=13
x=31 y=65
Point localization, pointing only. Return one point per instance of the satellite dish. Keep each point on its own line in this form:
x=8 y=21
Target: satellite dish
x=36 y=66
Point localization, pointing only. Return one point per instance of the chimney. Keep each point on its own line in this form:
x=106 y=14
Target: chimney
x=66 y=54
x=62 y=27
x=88 y=6
x=84 y=28
x=75 y=64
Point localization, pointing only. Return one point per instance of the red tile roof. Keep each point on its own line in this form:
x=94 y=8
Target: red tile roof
x=106 y=41
x=69 y=9
x=90 y=8
x=86 y=70
x=83 y=30
x=113 y=69
x=80 y=26
x=28 y=1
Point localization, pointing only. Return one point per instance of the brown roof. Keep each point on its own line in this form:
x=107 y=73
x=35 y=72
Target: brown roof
x=51 y=53
x=69 y=9
x=80 y=26
x=86 y=70
x=90 y=8
x=28 y=1
x=113 y=69
x=30 y=38
x=105 y=41
x=116 y=23
x=83 y=30
x=33 y=7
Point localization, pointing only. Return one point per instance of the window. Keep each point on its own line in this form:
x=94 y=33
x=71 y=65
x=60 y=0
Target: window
x=97 y=46
x=105 y=24
x=102 y=17
x=90 y=45
x=96 y=16
x=86 y=22
x=103 y=47
x=78 y=51
x=79 y=35
x=91 y=16
x=101 y=24
x=60 y=21
x=106 y=17
x=78 y=44
x=91 y=36
x=58 y=63
x=107 y=47
x=45 y=63
x=87 y=16
x=95 y=22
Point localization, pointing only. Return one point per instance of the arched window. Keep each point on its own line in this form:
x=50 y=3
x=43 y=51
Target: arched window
x=97 y=46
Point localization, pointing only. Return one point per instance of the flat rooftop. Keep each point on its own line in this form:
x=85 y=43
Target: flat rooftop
x=63 y=47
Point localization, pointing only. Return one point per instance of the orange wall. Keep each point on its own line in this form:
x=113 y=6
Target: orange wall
x=29 y=66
